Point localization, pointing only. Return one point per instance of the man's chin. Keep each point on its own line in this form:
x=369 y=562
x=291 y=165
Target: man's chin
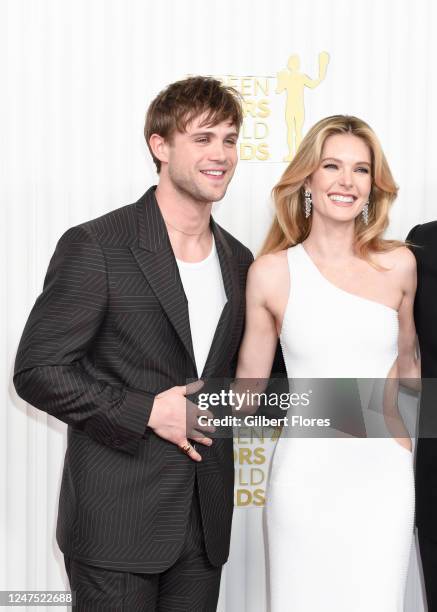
x=218 y=194
x=217 y=198
x=212 y=195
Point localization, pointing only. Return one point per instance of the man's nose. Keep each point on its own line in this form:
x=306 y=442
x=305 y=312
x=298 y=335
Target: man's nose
x=217 y=151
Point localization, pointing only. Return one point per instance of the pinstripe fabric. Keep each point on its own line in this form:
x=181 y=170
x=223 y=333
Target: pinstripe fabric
x=110 y=331
x=192 y=583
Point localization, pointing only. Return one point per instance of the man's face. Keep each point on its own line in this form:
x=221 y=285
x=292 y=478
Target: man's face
x=202 y=160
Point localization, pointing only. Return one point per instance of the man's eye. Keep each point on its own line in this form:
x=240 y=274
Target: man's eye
x=203 y=139
x=231 y=141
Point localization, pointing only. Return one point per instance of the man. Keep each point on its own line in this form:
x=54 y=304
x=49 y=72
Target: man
x=424 y=242
x=134 y=304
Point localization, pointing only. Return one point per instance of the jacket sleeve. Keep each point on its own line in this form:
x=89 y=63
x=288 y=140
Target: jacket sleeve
x=50 y=369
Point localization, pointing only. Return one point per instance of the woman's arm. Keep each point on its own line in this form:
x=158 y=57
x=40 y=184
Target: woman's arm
x=406 y=368
x=408 y=359
x=260 y=338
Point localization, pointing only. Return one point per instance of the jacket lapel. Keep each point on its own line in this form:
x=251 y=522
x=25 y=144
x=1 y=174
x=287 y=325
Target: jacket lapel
x=156 y=259
x=226 y=325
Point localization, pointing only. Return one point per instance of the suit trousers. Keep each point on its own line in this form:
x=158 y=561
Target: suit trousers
x=428 y=555
x=191 y=584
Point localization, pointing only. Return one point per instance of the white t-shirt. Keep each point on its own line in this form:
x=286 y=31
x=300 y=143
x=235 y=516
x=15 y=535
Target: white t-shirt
x=205 y=292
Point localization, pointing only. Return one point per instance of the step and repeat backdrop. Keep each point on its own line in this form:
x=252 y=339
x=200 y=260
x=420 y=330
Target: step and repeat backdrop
x=77 y=80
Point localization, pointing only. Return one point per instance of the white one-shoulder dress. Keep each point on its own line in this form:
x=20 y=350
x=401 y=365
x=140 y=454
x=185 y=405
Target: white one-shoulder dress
x=339 y=511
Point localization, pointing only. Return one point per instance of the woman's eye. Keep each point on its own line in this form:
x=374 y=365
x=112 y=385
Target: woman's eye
x=363 y=170
x=331 y=166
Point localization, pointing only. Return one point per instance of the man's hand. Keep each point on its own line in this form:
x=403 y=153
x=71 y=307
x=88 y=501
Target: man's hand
x=174 y=418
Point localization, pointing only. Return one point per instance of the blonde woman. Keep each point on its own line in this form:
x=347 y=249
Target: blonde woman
x=339 y=510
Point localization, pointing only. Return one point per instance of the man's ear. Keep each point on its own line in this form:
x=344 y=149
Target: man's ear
x=159 y=147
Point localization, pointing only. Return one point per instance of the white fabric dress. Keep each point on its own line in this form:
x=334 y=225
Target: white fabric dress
x=339 y=511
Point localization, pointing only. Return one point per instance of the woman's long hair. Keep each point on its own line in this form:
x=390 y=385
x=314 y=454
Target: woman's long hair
x=290 y=225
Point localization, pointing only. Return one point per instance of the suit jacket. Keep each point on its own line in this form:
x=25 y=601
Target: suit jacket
x=110 y=331
x=424 y=245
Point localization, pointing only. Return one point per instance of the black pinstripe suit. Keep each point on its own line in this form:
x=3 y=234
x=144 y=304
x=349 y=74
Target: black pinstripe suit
x=109 y=331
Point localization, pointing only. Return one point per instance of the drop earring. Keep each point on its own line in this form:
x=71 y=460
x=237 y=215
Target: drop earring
x=365 y=213
x=308 y=203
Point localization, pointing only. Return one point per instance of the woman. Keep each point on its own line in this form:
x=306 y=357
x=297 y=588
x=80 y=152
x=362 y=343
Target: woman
x=339 y=510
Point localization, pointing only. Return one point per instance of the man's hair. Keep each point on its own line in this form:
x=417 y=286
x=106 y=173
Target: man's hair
x=181 y=102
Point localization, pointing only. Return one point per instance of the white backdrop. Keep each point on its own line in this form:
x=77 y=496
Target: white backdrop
x=76 y=81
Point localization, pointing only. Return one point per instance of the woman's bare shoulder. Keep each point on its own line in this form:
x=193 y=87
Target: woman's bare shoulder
x=401 y=264
x=268 y=273
x=269 y=264
x=400 y=260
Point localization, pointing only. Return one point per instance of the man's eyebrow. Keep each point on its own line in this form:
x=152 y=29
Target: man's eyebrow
x=209 y=133
x=359 y=163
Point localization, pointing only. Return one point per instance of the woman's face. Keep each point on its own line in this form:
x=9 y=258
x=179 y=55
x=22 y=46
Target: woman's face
x=341 y=184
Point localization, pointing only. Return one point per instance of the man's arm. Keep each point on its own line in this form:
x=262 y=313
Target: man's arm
x=65 y=320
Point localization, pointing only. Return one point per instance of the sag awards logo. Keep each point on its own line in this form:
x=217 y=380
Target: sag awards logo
x=253 y=448
x=263 y=138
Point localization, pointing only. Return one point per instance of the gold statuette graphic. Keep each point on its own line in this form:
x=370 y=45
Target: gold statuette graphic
x=293 y=82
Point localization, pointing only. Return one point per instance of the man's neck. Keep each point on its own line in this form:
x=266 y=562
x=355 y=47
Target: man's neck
x=188 y=224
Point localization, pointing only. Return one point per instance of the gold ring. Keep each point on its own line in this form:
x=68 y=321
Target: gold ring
x=186 y=448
